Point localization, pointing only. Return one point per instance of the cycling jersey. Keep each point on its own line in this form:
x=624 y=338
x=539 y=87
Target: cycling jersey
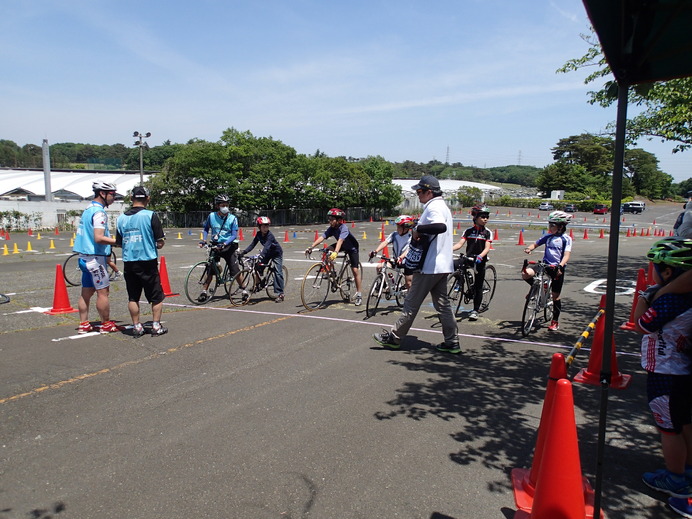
x=93 y=217
x=399 y=243
x=666 y=348
x=556 y=245
x=476 y=237
x=342 y=232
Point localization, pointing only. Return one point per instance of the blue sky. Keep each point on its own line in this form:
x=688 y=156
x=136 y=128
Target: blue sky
x=469 y=80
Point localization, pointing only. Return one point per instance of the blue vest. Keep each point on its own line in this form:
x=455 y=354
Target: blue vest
x=230 y=226
x=138 y=236
x=84 y=242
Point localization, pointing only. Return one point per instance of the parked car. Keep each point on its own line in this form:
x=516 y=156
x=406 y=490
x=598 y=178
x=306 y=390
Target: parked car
x=633 y=207
x=545 y=206
x=571 y=208
x=600 y=209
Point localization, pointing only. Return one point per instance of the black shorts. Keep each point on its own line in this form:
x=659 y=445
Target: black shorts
x=556 y=286
x=143 y=275
x=353 y=256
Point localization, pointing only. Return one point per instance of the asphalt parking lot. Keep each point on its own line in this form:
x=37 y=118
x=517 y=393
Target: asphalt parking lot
x=268 y=410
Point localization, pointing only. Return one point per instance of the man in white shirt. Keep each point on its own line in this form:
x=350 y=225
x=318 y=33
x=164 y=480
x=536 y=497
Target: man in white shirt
x=436 y=225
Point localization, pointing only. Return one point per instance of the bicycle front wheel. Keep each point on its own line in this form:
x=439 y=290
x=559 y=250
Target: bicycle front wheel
x=488 y=287
x=548 y=304
x=374 y=295
x=194 y=283
x=530 y=310
x=347 y=282
x=400 y=291
x=456 y=289
x=270 y=282
x=315 y=288
x=71 y=271
x=241 y=287
x=4 y=299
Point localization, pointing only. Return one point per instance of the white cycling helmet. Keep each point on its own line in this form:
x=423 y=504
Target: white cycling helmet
x=559 y=217
x=103 y=186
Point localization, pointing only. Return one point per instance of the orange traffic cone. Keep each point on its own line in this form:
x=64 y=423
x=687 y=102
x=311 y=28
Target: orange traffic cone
x=317 y=235
x=523 y=480
x=240 y=235
x=286 y=240
x=31 y=232
x=458 y=225
x=521 y=238
x=353 y=224
x=385 y=252
x=254 y=232
x=56 y=231
x=571 y=233
x=648 y=231
x=641 y=285
x=628 y=233
x=165 y=283
x=560 y=490
x=496 y=236
x=586 y=234
x=591 y=374
x=61 y=302
x=602 y=234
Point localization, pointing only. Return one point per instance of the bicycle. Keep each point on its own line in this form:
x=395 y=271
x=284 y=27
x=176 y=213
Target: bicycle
x=249 y=281
x=4 y=299
x=539 y=297
x=207 y=271
x=386 y=284
x=321 y=278
x=462 y=285
x=73 y=274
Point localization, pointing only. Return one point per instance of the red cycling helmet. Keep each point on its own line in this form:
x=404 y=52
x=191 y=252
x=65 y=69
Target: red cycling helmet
x=339 y=213
x=263 y=220
x=405 y=220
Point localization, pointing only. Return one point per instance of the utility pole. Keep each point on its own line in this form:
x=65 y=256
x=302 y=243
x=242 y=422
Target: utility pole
x=142 y=144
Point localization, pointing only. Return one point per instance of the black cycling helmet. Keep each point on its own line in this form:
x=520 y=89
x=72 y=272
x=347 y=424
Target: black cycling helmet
x=221 y=199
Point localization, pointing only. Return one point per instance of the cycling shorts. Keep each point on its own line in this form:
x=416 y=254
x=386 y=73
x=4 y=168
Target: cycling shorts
x=94 y=272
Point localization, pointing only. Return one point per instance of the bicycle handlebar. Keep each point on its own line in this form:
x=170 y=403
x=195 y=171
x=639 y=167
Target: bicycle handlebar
x=392 y=262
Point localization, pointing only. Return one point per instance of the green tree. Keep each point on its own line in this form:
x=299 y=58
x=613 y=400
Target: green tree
x=9 y=154
x=592 y=152
x=641 y=167
x=381 y=193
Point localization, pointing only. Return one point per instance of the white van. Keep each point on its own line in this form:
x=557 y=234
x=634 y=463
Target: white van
x=634 y=207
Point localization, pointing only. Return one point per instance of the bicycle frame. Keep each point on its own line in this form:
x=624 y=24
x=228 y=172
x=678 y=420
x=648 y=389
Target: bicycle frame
x=539 y=298
x=463 y=284
x=388 y=284
x=325 y=271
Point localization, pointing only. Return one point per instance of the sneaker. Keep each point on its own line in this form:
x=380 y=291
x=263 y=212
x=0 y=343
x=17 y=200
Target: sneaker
x=681 y=505
x=554 y=325
x=666 y=481
x=109 y=327
x=449 y=347
x=387 y=339
x=359 y=300
x=245 y=295
x=473 y=316
x=137 y=330
x=279 y=298
x=85 y=327
x=203 y=297
x=117 y=276
x=158 y=330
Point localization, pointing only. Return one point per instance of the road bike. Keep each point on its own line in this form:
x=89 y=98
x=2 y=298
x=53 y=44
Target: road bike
x=539 y=297
x=389 y=283
x=322 y=278
x=73 y=274
x=462 y=284
x=4 y=299
x=249 y=281
x=207 y=271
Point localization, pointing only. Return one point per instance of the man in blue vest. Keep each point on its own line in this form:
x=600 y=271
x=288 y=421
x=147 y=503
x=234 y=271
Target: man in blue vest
x=93 y=243
x=140 y=234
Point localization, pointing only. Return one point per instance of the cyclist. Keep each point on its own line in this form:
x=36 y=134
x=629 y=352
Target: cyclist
x=558 y=249
x=344 y=241
x=93 y=242
x=271 y=250
x=224 y=238
x=400 y=240
x=478 y=240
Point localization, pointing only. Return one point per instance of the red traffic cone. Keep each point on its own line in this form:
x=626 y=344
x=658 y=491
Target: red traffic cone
x=353 y=224
x=61 y=302
x=165 y=284
x=523 y=480
x=602 y=234
x=591 y=374
x=641 y=285
x=286 y=240
x=586 y=234
x=654 y=221
x=317 y=236
x=254 y=232
x=385 y=252
x=571 y=233
x=371 y=218
x=496 y=236
x=458 y=225
x=648 y=231
x=57 y=232
x=521 y=238
x=240 y=235
x=628 y=233
x=560 y=490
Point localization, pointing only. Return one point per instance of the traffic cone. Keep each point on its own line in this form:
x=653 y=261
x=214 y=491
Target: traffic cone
x=454 y=232
x=628 y=233
x=571 y=233
x=180 y=236
x=15 y=250
x=240 y=235
x=521 y=238
x=254 y=232
x=529 y=213
x=648 y=231
x=602 y=234
x=586 y=234
x=294 y=235
x=28 y=247
x=385 y=252
x=286 y=240
x=641 y=285
x=5 y=251
x=317 y=235
x=57 y=232
x=654 y=223
x=365 y=237
x=353 y=224
x=560 y=485
x=496 y=236
x=71 y=242
x=458 y=225
x=381 y=235
x=61 y=302
x=371 y=218
x=201 y=236
x=165 y=283
x=31 y=232
x=591 y=374
x=52 y=245
x=38 y=236
x=524 y=480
